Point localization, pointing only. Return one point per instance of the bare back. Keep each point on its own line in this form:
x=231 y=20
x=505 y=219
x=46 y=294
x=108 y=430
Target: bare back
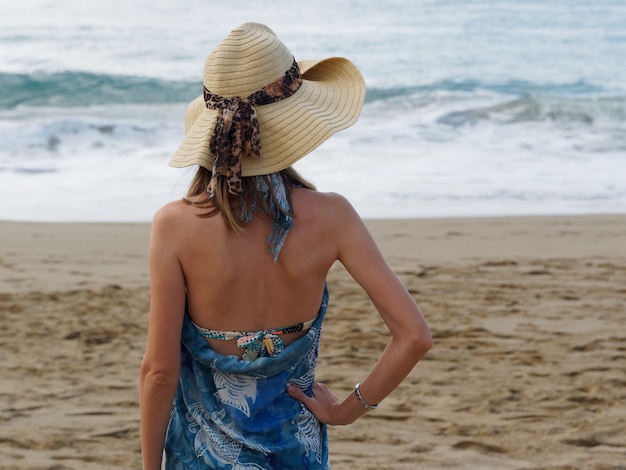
x=232 y=281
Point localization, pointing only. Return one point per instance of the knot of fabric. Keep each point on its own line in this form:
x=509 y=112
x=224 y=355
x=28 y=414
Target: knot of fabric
x=263 y=343
x=237 y=129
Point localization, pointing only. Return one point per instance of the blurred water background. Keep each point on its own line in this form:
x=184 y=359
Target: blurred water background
x=473 y=107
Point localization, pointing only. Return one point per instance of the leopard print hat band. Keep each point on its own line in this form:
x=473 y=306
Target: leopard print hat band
x=237 y=127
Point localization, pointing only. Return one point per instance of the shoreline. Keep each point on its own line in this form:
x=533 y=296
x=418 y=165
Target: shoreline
x=526 y=372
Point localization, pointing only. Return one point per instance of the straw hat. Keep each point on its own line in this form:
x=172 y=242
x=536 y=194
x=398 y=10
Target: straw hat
x=250 y=57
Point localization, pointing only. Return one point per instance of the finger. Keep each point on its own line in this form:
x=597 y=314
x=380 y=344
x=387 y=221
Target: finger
x=298 y=394
x=319 y=389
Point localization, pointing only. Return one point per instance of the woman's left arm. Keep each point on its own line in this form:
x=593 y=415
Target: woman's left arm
x=160 y=367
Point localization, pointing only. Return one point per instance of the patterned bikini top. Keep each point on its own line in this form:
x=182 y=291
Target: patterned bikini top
x=264 y=343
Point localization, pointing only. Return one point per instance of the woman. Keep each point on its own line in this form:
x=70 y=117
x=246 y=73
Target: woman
x=238 y=271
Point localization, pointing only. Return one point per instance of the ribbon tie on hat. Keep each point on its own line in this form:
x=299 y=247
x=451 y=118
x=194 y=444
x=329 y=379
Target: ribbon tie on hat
x=237 y=127
x=263 y=343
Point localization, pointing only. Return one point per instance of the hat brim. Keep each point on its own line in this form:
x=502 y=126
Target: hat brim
x=330 y=99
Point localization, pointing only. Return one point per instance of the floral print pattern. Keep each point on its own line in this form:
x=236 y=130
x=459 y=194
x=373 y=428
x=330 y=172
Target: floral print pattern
x=230 y=413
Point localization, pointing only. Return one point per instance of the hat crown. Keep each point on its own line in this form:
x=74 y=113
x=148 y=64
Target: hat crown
x=250 y=57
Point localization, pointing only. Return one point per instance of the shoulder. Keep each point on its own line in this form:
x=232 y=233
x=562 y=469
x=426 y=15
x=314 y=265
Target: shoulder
x=172 y=215
x=329 y=206
x=170 y=212
x=330 y=216
x=168 y=220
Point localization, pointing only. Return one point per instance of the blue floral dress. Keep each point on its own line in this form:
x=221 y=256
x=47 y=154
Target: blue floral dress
x=230 y=413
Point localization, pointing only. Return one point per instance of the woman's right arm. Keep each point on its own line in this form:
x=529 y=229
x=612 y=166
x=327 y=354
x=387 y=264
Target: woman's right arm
x=410 y=336
x=161 y=361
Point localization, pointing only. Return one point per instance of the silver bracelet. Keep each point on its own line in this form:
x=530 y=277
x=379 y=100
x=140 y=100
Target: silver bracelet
x=362 y=401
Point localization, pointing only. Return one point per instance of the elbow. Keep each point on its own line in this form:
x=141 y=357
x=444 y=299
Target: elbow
x=426 y=343
x=154 y=377
x=420 y=342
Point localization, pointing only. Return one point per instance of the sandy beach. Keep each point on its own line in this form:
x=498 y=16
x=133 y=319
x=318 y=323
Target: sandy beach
x=528 y=368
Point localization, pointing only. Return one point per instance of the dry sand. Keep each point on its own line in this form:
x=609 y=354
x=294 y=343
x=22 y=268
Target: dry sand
x=528 y=369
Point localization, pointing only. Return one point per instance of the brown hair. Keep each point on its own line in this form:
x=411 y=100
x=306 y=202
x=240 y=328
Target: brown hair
x=225 y=203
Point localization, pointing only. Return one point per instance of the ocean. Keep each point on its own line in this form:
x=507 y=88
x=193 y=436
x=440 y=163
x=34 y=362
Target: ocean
x=473 y=107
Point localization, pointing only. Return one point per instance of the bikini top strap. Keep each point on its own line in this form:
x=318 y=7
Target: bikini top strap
x=230 y=335
x=264 y=343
